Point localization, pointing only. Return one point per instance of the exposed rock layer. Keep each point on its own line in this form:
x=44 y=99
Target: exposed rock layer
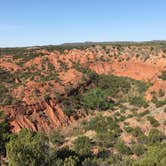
x=38 y=114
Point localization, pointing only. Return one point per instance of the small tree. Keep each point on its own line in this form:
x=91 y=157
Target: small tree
x=27 y=149
x=96 y=99
x=82 y=146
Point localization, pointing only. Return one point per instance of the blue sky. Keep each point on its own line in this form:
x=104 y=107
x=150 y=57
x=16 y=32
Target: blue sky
x=42 y=22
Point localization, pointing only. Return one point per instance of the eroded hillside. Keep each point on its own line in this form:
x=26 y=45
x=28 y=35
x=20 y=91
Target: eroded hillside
x=43 y=89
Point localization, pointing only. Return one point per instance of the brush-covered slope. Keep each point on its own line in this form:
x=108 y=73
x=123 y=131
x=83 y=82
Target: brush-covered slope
x=47 y=88
x=84 y=105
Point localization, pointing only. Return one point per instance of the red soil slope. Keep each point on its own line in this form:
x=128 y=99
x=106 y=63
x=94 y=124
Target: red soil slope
x=35 y=113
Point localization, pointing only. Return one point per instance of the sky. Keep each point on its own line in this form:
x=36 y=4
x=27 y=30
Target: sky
x=44 y=22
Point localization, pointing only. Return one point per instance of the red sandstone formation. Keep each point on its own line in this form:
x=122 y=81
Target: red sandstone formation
x=9 y=65
x=35 y=113
x=44 y=116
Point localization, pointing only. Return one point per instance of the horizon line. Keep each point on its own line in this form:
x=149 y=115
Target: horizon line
x=84 y=42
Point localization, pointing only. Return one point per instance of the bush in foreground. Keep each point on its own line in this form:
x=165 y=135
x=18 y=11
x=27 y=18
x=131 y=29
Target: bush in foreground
x=82 y=146
x=27 y=149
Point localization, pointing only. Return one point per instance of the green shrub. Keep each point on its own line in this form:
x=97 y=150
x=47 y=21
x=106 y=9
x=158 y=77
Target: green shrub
x=103 y=124
x=71 y=104
x=71 y=161
x=161 y=93
x=141 y=86
x=153 y=121
x=69 y=112
x=92 y=162
x=4 y=133
x=6 y=76
x=122 y=147
x=143 y=113
x=160 y=103
x=56 y=138
x=5 y=98
x=154 y=136
x=106 y=139
x=138 y=101
x=96 y=99
x=138 y=149
x=155 y=156
x=113 y=84
x=121 y=118
x=97 y=123
x=142 y=139
x=27 y=149
x=136 y=132
x=128 y=129
x=82 y=146
x=102 y=93
x=163 y=75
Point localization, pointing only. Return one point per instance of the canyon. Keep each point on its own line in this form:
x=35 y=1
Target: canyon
x=42 y=81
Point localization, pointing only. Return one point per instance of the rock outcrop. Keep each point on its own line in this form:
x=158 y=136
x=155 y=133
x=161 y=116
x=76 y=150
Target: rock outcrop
x=54 y=73
x=43 y=116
